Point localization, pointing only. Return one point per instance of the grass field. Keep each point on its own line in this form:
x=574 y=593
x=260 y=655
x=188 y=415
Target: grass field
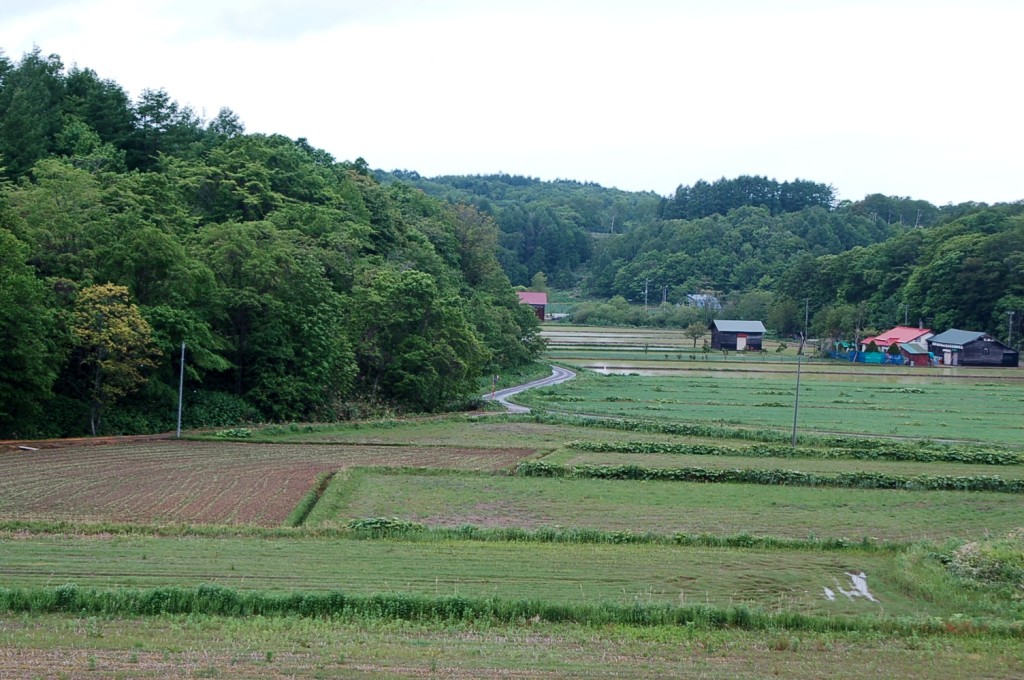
x=672 y=507
x=665 y=460
x=910 y=407
x=944 y=566
x=178 y=646
x=772 y=580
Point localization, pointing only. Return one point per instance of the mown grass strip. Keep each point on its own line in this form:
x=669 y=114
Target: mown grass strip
x=704 y=430
x=851 y=480
x=218 y=600
x=892 y=451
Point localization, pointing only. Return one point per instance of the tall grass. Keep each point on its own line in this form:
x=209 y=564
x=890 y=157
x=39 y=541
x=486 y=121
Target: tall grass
x=221 y=601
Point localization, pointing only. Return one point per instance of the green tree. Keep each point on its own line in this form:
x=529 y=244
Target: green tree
x=30 y=103
x=414 y=345
x=33 y=345
x=115 y=346
x=539 y=283
x=695 y=331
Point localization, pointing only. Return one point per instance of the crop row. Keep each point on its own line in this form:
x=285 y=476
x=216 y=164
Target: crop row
x=894 y=451
x=855 y=480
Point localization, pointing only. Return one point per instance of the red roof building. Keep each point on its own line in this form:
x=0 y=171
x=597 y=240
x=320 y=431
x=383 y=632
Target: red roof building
x=897 y=335
x=539 y=302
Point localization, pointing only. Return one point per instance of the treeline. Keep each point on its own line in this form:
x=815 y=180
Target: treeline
x=301 y=287
x=704 y=199
x=548 y=227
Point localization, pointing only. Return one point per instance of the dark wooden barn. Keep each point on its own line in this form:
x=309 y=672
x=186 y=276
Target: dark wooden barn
x=539 y=302
x=737 y=335
x=971 y=348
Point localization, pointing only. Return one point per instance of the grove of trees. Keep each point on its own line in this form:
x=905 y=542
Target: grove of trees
x=301 y=287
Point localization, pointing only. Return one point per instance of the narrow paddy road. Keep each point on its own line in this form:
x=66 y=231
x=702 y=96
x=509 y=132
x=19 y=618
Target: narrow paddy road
x=558 y=375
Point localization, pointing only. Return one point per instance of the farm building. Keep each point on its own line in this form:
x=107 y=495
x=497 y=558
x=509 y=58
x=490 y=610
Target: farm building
x=703 y=301
x=737 y=335
x=899 y=334
x=971 y=348
x=539 y=302
x=915 y=354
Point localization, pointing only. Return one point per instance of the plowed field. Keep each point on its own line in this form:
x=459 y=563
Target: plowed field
x=198 y=482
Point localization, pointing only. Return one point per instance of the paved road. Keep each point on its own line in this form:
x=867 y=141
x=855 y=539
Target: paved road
x=558 y=375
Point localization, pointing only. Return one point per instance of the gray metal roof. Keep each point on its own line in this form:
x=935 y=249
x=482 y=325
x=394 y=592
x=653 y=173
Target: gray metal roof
x=727 y=326
x=955 y=337
x=913 y=348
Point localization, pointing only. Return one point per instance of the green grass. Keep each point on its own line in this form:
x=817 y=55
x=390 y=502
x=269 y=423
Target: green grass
x=670 y=507
x=914 y=407
x=56 y=645
x=771 y=580
x=671 y=460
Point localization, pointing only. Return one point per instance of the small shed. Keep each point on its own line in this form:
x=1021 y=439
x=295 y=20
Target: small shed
x=971 y=348
x=539 y=302
x=737 y=335
x=915 y=354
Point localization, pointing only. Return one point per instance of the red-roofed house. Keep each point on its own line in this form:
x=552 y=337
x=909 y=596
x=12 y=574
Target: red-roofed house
x=539 y=302
x=897 y=335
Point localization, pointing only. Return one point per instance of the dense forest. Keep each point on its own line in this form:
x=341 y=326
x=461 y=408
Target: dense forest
x=300 y=286
x=549 y=227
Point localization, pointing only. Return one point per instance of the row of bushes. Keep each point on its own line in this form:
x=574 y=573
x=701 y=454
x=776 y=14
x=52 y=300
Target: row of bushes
x=221 y=601
x=395 y=528
x=855 y=480
x=896 y=451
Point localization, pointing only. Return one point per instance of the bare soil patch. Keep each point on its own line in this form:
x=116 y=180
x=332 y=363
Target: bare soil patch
x=170 y=481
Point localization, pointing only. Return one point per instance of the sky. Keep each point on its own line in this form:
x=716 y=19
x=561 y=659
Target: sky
x=900 y=97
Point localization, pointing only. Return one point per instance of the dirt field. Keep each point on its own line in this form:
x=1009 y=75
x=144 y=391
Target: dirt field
x=158 y=481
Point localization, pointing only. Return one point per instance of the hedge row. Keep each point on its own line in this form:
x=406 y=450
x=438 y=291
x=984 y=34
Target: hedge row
x=894 y=451
x=856 y=480
x=220 y=601
x=386 y=527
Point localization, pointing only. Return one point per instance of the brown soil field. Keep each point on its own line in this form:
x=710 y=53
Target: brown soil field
x=169 y=481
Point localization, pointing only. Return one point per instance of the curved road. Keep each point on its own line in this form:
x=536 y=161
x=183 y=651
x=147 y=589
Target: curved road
x=558 y=375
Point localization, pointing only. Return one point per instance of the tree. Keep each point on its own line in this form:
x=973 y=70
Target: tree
x=32 y=348
x=115 y=346
x=539 y=283
x=30 y=111
x=695 y=331
x=413 y=345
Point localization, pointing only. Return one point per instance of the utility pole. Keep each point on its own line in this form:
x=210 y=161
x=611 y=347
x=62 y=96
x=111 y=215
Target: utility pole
x=181 y=386
x=796 y=402
x=1009 y=330
x=807 y=316
x=646 y=285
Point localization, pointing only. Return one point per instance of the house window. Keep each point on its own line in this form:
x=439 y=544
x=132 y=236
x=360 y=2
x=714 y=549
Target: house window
x=985 y=351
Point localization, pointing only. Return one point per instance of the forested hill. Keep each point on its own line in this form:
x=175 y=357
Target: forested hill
x=764 y=248
x=545 y=227
x=301 y=287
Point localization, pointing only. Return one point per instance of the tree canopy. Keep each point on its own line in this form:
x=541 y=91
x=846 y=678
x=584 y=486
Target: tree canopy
x=300 y=285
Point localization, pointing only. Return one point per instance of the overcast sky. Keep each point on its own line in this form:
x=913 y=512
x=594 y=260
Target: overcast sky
x=900 y=97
